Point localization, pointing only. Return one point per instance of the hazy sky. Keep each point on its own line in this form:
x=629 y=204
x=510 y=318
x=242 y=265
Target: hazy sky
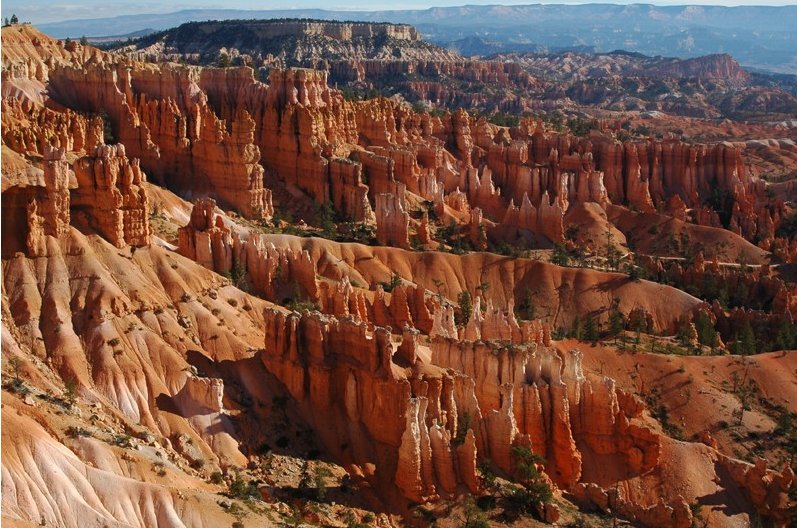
x=40 y=11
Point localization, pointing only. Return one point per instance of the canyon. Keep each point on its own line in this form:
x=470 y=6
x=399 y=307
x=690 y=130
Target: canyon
x=365 y=59
x=234 y=301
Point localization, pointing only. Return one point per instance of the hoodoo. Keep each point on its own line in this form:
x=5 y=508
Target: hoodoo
x=253 y=286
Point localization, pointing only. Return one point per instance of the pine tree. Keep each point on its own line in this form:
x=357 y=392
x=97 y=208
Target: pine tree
x=578 y=329
x=525 y=310
x=706 y=335
x=559 y=256
x=746 y=340
x=786 y=334
x=687 y=334
x=326 y=217
x=590 y=330
x=14 y=20
x=484 y=287
x=616 y=321
x=465 y=308
x=722 y=298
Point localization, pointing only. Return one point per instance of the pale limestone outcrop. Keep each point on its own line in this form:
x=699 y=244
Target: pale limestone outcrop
x=444 y=324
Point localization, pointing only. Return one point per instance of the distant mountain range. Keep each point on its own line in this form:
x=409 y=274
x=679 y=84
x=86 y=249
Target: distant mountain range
x=759 y=37
x=365 y=58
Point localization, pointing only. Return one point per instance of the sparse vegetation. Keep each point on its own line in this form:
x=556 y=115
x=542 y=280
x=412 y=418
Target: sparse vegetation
x=70 y=391
x=524 y=311
x=559 y=255
x=243 y=489
x=122 y=440
x=321 y=474
x=534 y=492
x=77 y=432
x=389 y=286
x=159 y=469
x=472 y=515
x=463 y=312
x=238 y=276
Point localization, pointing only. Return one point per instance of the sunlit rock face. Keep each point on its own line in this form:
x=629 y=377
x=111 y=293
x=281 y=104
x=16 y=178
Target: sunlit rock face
x=147 y=367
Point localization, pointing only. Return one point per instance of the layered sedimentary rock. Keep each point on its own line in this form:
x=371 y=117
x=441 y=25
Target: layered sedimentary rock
x=205 y=239
x=29 y=56
x=547 y=220
x=110 y=196
x=344 y=355
x=409 y=401
x=370 y=55
x=392 y=221
x=677 y=515
x=512 y=396
x=548 y=400
x=221 y=132
x=246 y=256
x=767 y=489
x=48 y=210
x=291 y=42
x=29 y=128
x=164 y=118
x=105 y=195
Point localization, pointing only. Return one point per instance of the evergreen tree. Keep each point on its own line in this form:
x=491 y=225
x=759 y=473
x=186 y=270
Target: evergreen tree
x=637 y=334
x=590 y=330
x=722 y=298
x=326 y=217
x=559 y=256
x=484 y=287
x=706 y=335
x=14 y=20
x=635 y=273
x=465 y=308
x=687 y=334
x=612 y=253
x=740 y=295
x=746 y=343
x=578 y=329
x=525 y=310
x=107 y=128
x=395 y=280
x=535 y=490
x=616 y=321
x=786 y=336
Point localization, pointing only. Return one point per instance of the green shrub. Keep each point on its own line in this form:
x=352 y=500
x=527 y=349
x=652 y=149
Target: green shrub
x=243 y=489
x=462 y=315
x=395 y=280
